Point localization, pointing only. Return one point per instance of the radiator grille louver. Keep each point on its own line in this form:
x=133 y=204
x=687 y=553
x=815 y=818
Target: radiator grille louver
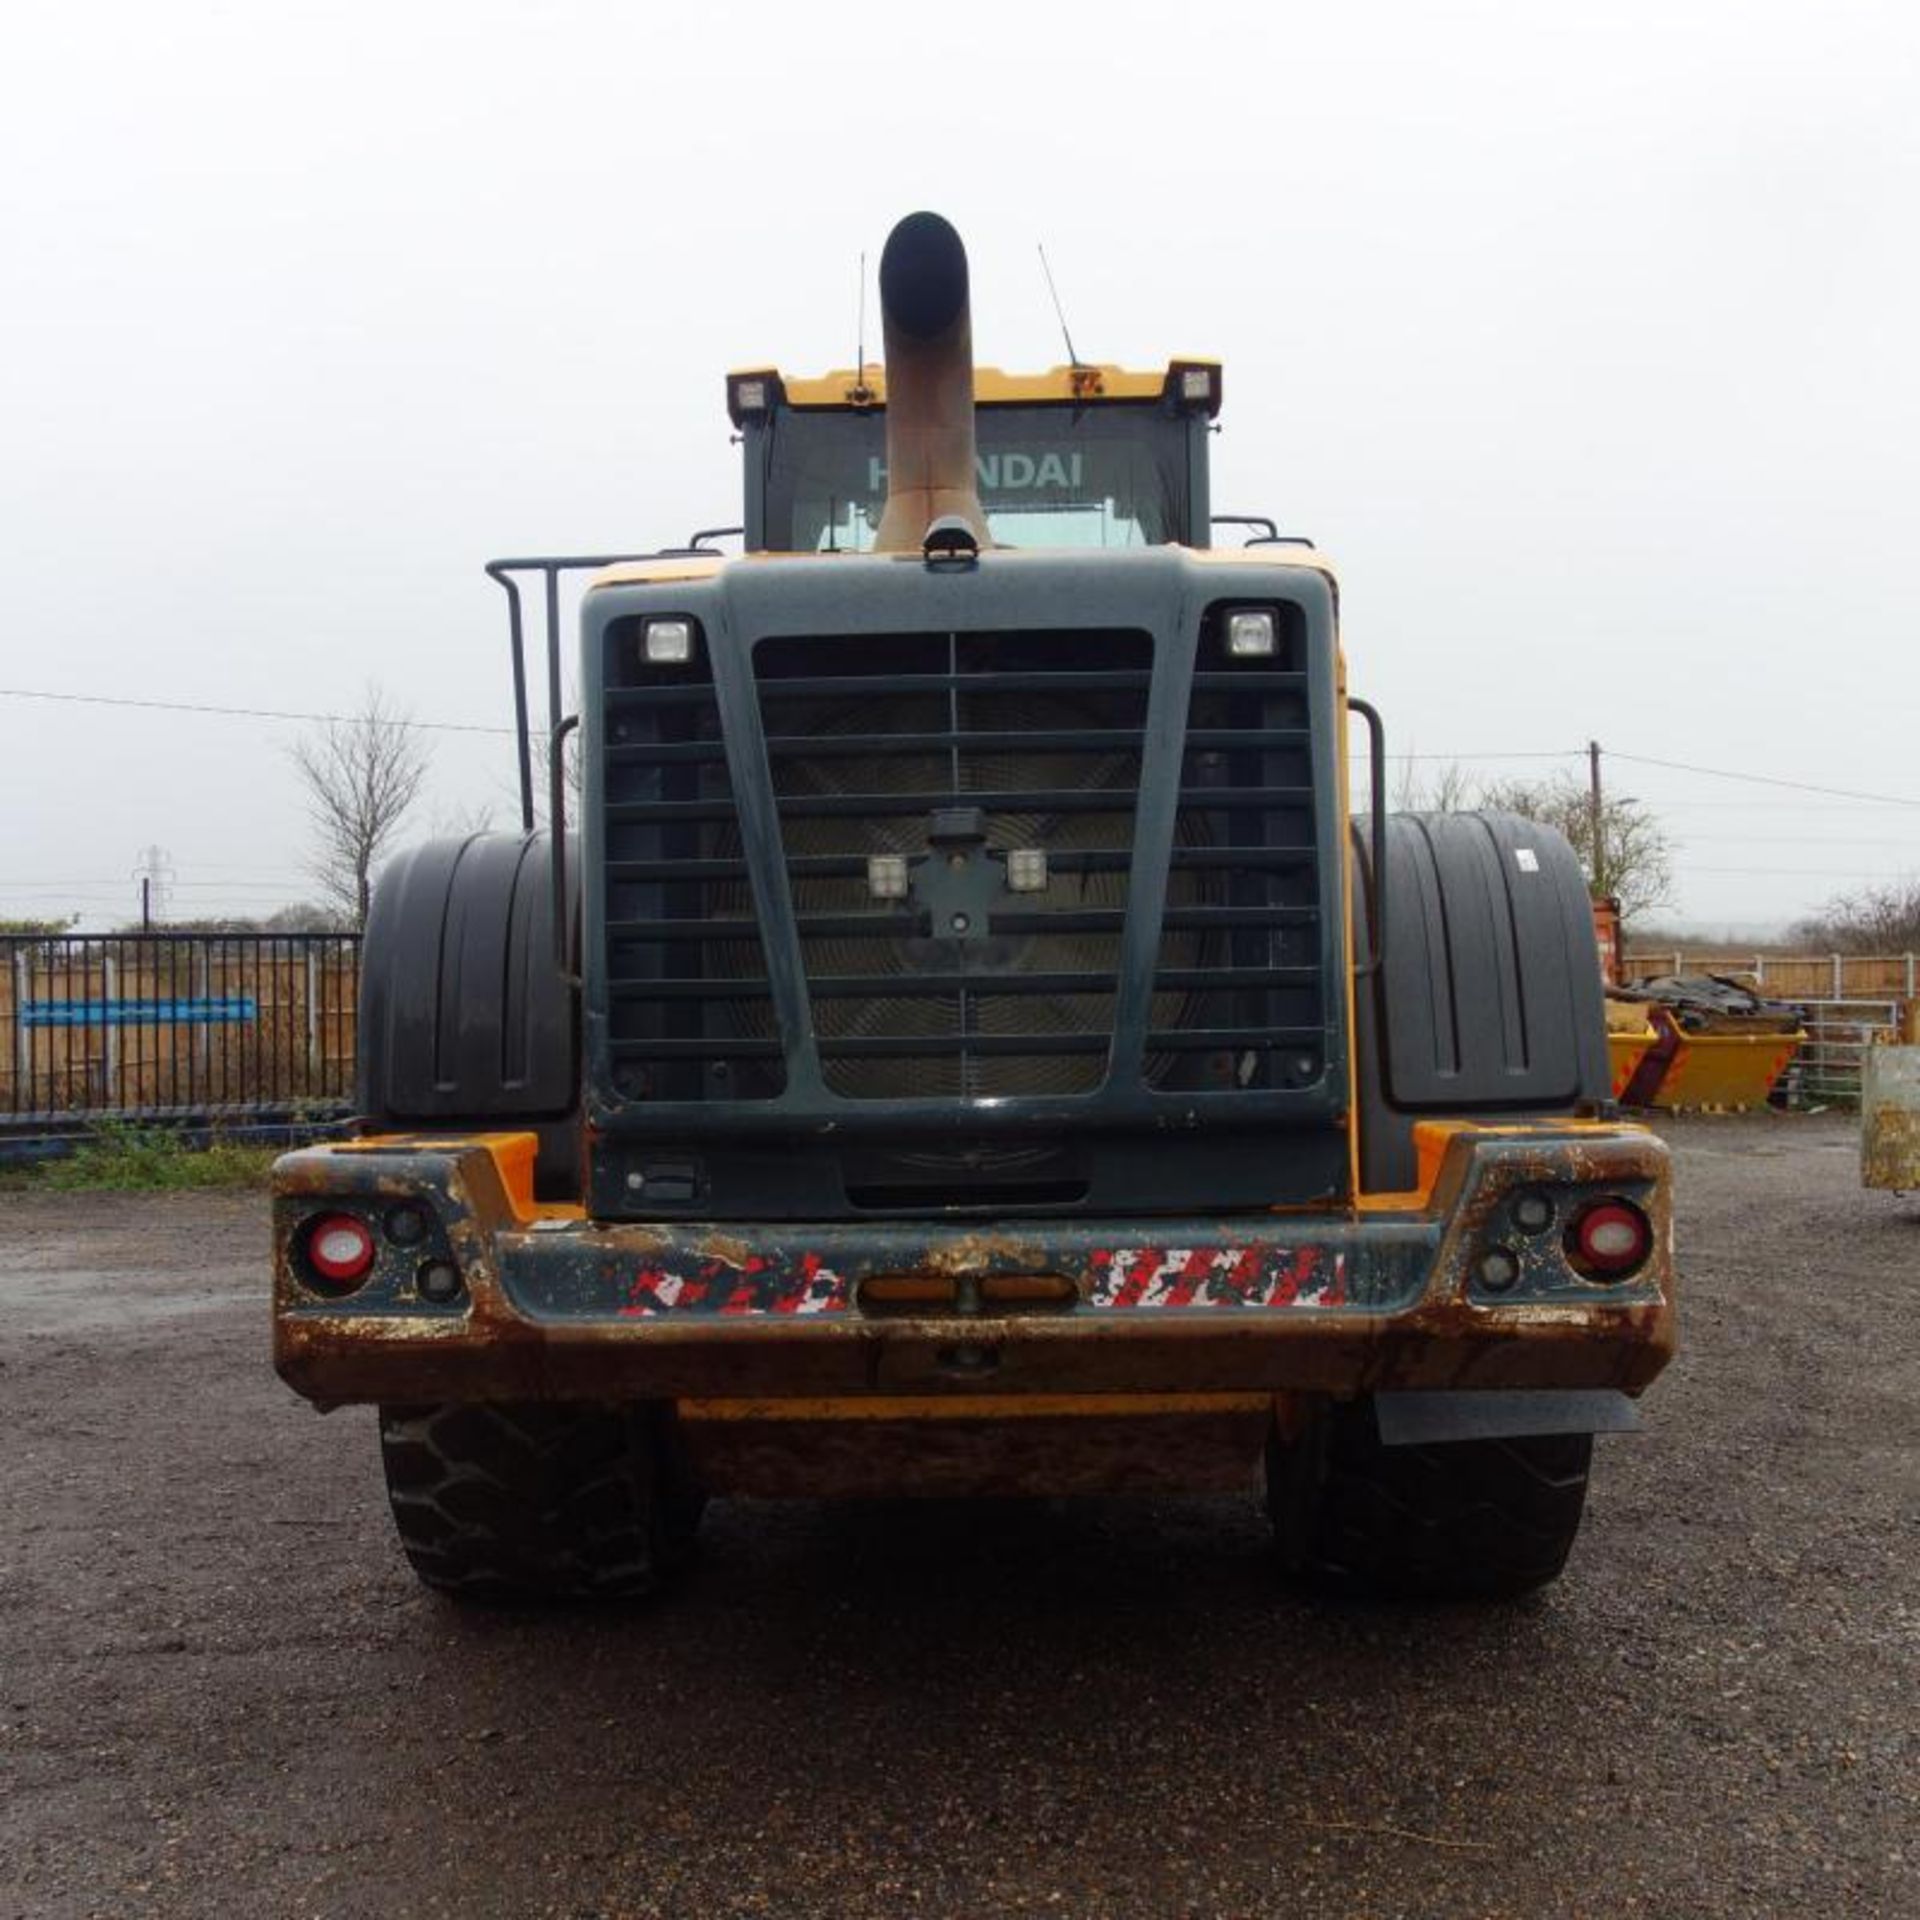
x=690 y=1008
x=1246 y=819
x=1040 y=735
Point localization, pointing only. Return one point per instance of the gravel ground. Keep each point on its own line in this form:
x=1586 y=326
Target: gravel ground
x=221 y=1691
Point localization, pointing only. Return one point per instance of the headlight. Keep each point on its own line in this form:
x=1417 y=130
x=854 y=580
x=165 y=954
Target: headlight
x=668 y=643
x=1252 y=633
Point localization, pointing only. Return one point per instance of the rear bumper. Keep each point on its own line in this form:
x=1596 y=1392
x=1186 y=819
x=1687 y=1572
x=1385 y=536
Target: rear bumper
x=1341 y=1303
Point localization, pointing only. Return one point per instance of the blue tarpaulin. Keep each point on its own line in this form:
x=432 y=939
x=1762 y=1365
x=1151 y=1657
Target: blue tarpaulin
x=221 y=1010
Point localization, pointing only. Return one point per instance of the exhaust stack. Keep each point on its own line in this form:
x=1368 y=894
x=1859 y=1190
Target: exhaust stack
x=928 y=332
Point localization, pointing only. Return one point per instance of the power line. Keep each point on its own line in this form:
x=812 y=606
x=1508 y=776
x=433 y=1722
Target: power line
x=463 y=726
x=1766 y=780
x=242 y=713
x=468 y=726
x=256 y=869
x=1763 y=838
x=48 y=881
x=1538 y=753
x=1798 y=873
x=1672 y=802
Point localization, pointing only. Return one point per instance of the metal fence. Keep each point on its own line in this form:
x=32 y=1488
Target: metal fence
x=1791 y=976
x=176 y=1027
x=1829 y=1068
x=240 y=1026
x=1850 y=1002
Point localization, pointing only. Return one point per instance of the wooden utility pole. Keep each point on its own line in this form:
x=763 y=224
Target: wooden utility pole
x=1597 y=820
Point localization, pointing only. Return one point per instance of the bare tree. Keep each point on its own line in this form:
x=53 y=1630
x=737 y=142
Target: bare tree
x=1884 y=919
x=1635 y=863
x=463 y=819
x=1635 y=854
x=1446 y=789
x=361 y=774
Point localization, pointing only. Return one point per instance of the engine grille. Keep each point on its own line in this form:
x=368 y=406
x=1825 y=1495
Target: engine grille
x=1033 y=740
x=1244 y=840
x=689 y=1005
x=950 y=751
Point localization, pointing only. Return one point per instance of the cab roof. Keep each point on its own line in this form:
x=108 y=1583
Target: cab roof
x=861 y=389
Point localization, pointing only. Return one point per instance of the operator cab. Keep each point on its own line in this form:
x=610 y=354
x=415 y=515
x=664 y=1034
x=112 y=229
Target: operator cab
x=1082 y=457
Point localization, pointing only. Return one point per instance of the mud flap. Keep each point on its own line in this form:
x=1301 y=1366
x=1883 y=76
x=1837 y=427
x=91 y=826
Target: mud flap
x=1428 y=1418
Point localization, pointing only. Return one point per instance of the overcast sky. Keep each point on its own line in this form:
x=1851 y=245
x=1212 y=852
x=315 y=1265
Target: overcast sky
x=1585 y=339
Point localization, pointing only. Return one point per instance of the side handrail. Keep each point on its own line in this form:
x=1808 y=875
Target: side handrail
x=1271 y=536
x=557 y=821
x=1377 y=735
x=550 y=568
x=1245 y=520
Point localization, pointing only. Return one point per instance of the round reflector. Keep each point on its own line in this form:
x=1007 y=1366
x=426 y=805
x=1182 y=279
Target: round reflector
x=1499 y=1269
x=1532 y=1212
x=1611 y=1238
x=340 y=1249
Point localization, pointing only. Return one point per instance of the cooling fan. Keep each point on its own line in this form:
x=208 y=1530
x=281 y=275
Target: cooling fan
x=947 y=779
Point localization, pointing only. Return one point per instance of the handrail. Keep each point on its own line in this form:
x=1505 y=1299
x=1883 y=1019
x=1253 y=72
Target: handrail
x=1377 y=735
x=550 y=567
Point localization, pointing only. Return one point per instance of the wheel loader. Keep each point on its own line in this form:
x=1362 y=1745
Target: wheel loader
x=952 y=1033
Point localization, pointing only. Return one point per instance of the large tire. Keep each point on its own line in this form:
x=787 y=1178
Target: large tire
x=546 y=1502
x=1461 y=1519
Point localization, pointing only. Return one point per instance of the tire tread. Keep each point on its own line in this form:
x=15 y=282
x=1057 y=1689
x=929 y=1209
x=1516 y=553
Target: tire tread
x=531 y=1501
x=1464 y=1518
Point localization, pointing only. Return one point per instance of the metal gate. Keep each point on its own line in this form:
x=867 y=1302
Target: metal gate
x=176 y=1027
x=1828 y=1068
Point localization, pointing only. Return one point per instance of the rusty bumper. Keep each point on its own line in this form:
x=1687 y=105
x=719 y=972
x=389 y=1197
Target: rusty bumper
x=554 y=1306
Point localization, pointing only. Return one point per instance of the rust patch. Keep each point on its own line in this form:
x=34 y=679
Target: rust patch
x=1213 y=1451
x=1890 y=1149
x=621 y=1312
x=982 y=1253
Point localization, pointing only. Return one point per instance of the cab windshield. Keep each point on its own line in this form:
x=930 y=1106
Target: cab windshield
x=1109 y=475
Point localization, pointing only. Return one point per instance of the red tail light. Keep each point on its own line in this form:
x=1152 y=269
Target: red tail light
x=1610 y=1239
x=339 y=1251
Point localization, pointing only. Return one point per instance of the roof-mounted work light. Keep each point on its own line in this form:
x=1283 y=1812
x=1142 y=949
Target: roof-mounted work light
x=1193 y=386
x=753 y=395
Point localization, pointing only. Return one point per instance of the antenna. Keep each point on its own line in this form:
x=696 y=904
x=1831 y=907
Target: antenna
x=860 y=343
x=1073 y=359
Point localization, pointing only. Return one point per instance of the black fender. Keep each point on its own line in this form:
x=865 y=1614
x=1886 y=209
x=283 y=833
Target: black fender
x=468 y=1019
x=1488 y=1000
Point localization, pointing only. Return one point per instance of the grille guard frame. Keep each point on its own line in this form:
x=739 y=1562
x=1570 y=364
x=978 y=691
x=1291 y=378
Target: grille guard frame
x=1166 y=593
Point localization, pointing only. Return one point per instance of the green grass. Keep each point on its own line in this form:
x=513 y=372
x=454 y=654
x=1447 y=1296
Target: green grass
x=133 y=1159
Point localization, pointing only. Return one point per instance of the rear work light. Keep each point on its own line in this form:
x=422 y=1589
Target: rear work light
x=339 y=1251
x=1252 y=633
x=669 y=643
x=1610 y=1239
x=1026 y=869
